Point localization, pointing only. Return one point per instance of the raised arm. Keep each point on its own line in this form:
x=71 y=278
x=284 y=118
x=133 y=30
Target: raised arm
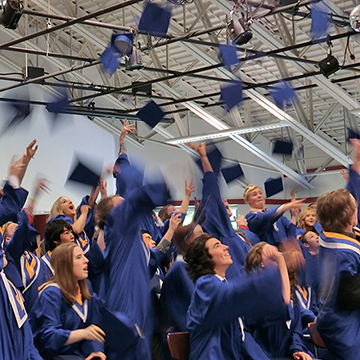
x=189 y=188
x=201 y=150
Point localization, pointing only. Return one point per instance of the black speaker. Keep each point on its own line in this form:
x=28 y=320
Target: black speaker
x=329 y=65
x=138 y=86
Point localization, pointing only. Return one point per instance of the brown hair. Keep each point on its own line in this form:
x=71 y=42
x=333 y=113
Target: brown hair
x=334 y=210
x=254 y=256
x=249 y=189
x=199 y=261
x=62 y=263
x=302 y=215
x=103 y=209
x=163 y=213
x=181 y=237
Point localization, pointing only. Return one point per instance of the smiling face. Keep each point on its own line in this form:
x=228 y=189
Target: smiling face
x=256 y=199
x=220 y=255
x=310 y=218
x=80 y=264
x=67 y=207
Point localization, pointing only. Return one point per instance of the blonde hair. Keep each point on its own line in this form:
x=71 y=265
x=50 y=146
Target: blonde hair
x=301 y=218
x=56 y=208
x=62 y=263
x=249 y=189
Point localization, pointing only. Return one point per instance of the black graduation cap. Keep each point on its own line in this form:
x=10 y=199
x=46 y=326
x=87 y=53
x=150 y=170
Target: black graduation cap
x=229 y=55
x=320 y=20
x=154 y=20
x=151 y=113
x=351 y=134
x=282 y=93
x=283 y=147
x=232 y=173
x=273 y=186
x=120 y=44
x=214 y=155
x=121 y=333
x=83 y=174
x=232 y=94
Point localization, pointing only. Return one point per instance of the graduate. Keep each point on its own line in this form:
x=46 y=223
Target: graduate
x=281 y=339
x=127 y=280
x=63 y=317
x=338 y=321
x=306 y=221
x=216 y=304
x=269 y=225
x=16 y=338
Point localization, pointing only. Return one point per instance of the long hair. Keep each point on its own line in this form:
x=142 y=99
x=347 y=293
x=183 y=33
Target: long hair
x=254 y=256
x=199 y=261
x=163 y=213
x=302 y=215
x=62 y=263
x=55 y=209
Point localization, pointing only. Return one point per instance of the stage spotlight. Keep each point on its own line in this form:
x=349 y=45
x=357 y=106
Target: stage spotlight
x=240 y=34
x=134 y=61
x=11 y=11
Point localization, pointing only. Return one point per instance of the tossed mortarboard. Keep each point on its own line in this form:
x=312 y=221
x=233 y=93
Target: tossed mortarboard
x=22 y=110
x=214 y=155
x=154 y=20
x=83 y=174
x=232 y=94
x=228 y=55
x=58 y=104
x=320 y=20
x=232 y=173
x=351 y=134
x=120 y=44
x=282 y=93
x=151 y=113
x=120 y=333
x=283 y=147
x=273 y=186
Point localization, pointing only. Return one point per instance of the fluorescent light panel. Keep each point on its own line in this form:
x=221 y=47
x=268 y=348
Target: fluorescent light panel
x=227 y=133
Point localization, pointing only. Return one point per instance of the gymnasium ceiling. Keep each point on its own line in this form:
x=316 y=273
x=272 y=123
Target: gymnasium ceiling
x=67 y=37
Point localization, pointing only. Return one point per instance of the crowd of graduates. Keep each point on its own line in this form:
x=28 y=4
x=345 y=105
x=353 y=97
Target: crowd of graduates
x=111 y=278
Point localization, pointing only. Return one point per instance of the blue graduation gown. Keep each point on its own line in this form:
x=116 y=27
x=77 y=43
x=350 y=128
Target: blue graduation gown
x=52 y=321
x=32 y=270
x=16 y=339
x=11 y=203
x=340 y=329
x=217 y=223
x=283 y=338
x=270 y=226
x=176 y=295
x=127 y=280
x=212 y=317
x=353 y=186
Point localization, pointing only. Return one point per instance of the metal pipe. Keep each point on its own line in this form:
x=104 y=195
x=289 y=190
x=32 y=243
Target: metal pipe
x=70 y=23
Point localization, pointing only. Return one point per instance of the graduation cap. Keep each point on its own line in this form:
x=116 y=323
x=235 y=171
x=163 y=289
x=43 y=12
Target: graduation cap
x=232 y=94
x=232 y=173
x=320 y=20
x=154 y=20
x=282 y=93
x=351 y=134
x=214 y=155
x=229 y=55
x=83 y=174
x=283 y=147
x=273 y=186
x=151 y=113
x=120 y=44
x=121 y=333
x=22 y=110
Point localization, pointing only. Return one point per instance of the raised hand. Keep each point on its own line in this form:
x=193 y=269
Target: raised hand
x=189 y=188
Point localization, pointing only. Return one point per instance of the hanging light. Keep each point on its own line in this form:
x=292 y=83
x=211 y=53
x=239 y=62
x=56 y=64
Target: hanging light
x=11 y=11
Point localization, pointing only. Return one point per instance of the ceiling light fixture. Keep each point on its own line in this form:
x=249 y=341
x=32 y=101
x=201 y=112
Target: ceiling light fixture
x=227 y=133
x=329 y=66
x=11 y=11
